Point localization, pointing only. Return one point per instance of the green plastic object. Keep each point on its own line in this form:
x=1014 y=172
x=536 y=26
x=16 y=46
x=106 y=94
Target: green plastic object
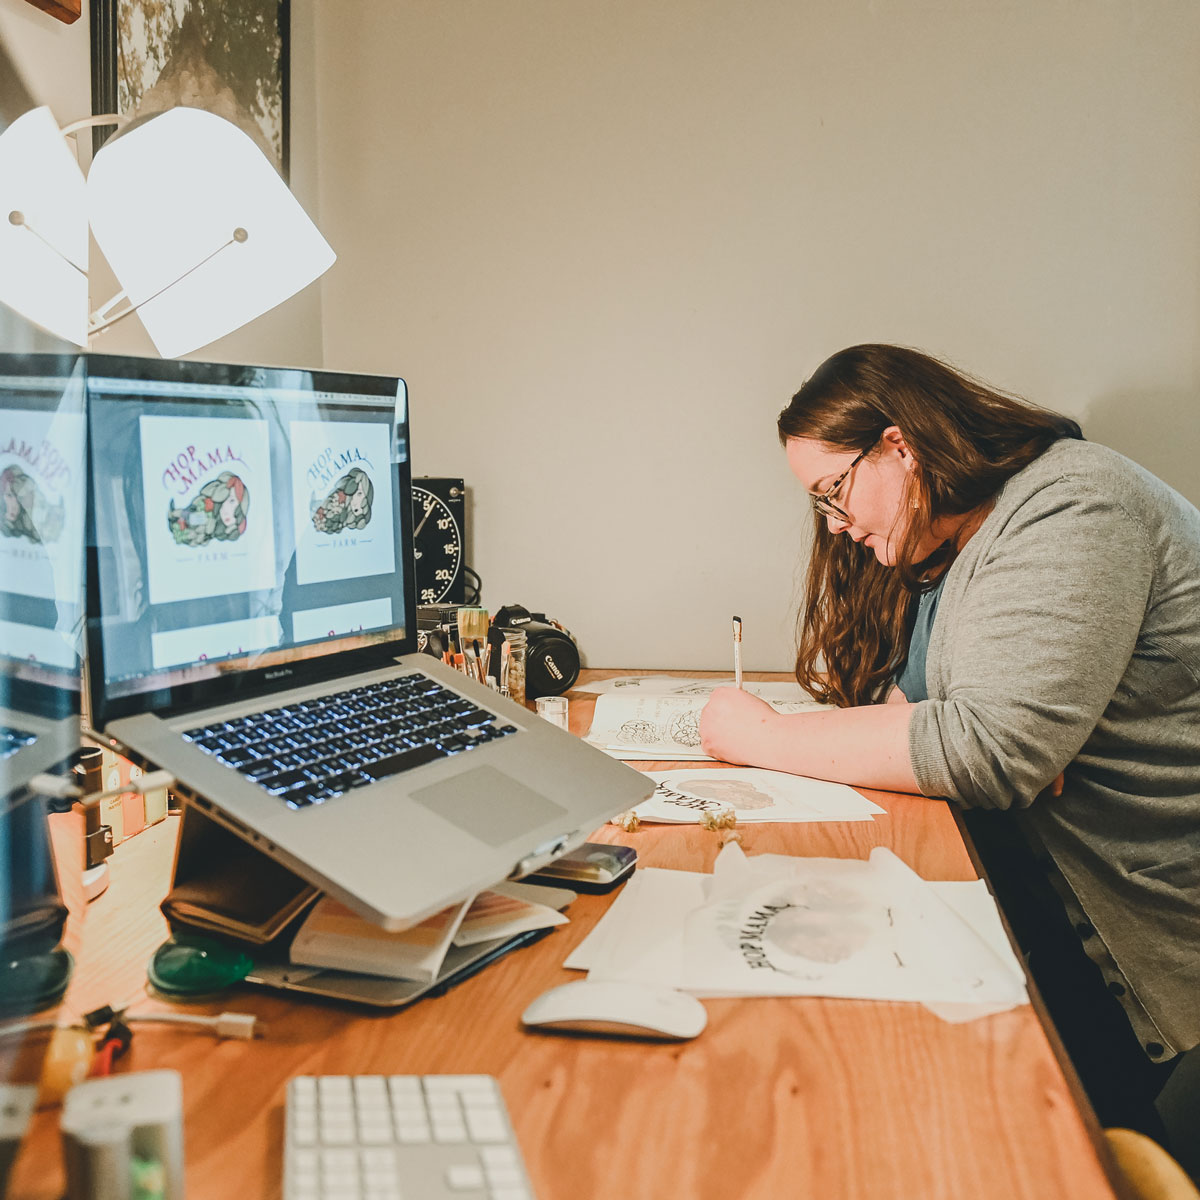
x=197 y=966
x=30 y=982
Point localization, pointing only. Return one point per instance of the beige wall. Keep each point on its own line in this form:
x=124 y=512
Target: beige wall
x=606 y=242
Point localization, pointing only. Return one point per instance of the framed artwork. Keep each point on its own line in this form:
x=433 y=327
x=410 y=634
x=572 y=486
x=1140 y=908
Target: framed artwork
x=227 y=56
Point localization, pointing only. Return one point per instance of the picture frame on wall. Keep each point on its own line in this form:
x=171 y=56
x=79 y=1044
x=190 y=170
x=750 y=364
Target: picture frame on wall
x=229 y=57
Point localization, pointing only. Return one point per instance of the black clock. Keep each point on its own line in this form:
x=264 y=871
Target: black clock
x=439 y=538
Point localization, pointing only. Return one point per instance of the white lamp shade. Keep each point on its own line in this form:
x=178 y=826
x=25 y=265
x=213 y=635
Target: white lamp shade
x=167 y=194
x=43 y=259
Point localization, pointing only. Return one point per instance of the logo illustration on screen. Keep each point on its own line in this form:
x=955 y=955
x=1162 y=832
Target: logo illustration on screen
x=348 y=506
x=340 y=476
x=25 y=512
x=199 y=474
x=219 y=511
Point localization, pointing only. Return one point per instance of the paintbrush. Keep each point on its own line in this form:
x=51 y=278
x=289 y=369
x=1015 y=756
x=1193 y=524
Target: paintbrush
x=472 y=625
x=495 y=642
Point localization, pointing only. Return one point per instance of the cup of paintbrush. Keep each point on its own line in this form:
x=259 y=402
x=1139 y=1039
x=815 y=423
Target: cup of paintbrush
x=472 y=630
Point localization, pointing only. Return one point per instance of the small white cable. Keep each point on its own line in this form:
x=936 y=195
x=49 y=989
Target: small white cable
x=60 y=787
x=224 y=1025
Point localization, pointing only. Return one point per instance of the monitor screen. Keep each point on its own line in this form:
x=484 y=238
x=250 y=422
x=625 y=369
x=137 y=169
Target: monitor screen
x=246 y=521
x=42 y=509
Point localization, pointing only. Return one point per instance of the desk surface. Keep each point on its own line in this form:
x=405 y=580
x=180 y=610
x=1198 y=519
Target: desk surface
x=778 y=1097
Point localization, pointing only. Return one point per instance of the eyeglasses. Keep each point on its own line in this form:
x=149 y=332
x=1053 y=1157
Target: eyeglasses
x=823 y=503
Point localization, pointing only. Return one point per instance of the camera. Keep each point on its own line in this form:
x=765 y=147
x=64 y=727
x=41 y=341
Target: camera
x=551 y=655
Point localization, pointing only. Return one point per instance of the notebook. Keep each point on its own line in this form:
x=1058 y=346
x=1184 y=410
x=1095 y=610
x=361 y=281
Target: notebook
x=251 y=569
x=42 y=474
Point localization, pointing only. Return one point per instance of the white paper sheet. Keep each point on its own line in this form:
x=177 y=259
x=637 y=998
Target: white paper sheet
x=774 y=925
x=754 y=794
x=680 y=685
x=640 y=937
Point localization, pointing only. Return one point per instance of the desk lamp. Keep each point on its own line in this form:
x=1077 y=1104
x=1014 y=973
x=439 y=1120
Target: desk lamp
x=43 y=227
x=201 y=233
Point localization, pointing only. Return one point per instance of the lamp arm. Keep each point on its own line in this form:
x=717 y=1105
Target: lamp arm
x=99 y=326
x=88 y=122
x=107 y=307
x=16 y=217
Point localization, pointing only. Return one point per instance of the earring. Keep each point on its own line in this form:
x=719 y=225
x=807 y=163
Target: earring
x=916 y=504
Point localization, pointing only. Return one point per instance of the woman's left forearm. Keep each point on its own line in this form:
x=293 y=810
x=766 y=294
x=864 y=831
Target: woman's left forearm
x=865 y=746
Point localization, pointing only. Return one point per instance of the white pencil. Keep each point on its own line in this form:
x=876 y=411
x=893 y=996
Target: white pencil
x=737 y=651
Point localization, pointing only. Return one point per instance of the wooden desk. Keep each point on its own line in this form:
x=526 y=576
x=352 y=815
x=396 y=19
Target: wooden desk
x=843 y=1100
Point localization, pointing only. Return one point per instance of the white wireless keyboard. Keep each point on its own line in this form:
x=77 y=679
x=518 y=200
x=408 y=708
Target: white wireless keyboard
x=400 y=1137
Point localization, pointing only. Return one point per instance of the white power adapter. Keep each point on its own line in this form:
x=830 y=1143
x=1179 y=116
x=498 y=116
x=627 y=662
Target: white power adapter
x=120 y=1125
x=16 y=1109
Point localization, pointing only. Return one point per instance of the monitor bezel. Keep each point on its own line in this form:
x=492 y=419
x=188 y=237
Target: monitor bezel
x=251 y=682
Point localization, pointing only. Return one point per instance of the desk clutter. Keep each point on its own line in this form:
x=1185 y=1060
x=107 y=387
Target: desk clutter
x=236 y=915
x=521 y=654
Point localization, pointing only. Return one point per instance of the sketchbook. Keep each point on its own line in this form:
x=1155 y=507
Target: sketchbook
x=636 y=723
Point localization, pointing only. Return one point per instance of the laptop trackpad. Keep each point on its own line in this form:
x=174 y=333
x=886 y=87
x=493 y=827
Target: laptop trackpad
x=488 y=804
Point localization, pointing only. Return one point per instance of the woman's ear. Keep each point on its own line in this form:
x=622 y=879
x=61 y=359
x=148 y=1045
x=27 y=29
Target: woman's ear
x=893 y=442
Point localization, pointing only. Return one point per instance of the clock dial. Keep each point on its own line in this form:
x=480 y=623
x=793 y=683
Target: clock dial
x=438 y=546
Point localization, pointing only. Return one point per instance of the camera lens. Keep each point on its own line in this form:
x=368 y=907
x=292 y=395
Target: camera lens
x=551 y=661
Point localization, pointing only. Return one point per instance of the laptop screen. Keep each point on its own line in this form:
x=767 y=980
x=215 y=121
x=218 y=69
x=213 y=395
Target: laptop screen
x=251 y=525
x=42 y=491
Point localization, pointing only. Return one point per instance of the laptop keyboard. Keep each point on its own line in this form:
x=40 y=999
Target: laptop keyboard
x=315 y=750
x=12 y=740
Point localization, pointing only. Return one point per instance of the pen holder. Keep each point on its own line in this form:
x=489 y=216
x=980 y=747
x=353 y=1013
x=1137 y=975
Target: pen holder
x=515 y=638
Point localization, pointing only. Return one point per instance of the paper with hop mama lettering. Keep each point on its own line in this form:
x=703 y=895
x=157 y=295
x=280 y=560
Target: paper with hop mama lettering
x=209 y=507
x=342 y=500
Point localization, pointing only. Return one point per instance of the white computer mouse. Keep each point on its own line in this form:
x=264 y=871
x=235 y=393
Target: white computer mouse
x=624 y=1009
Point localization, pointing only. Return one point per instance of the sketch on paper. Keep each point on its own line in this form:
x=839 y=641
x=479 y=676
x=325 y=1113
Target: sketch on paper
x=685 y=795
x=740 y=794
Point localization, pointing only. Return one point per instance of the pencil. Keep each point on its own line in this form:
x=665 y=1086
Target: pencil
x=737 y=651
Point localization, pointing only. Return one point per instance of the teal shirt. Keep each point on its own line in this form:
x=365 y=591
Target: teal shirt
x=911 y=680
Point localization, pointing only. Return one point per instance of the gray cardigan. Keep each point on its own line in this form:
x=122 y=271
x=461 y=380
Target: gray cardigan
x=1068 y=637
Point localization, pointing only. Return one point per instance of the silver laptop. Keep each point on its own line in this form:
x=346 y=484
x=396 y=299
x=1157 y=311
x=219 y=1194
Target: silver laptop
x=42 y=504
x=252 y=630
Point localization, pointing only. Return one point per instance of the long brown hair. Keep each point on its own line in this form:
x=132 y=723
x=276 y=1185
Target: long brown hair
x=967 y=440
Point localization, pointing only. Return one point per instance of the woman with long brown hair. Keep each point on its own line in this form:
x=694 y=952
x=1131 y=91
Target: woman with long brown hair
x=1008 y=617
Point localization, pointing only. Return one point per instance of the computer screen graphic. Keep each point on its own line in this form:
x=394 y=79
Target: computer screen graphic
x=242 y=516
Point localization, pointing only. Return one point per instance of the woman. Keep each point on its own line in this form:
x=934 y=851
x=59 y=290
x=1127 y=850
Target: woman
x=1028 y=605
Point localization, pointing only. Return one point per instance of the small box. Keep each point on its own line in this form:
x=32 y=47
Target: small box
x=126 y=813
x=156 y=805
x=112 y=814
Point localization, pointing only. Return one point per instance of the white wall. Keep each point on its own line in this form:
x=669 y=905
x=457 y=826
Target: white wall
x=606 y=242
x=54 y=60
